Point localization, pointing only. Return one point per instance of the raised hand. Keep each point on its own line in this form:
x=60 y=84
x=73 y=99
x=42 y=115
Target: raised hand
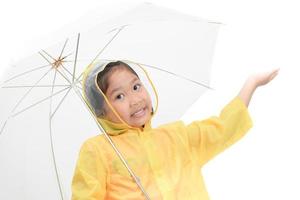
x=264 y=77
x=255 y=81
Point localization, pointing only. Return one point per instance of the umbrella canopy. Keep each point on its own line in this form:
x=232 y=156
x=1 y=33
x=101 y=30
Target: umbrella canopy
x=44 y=117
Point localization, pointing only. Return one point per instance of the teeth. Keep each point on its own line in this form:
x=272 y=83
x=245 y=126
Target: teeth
x=138 y=112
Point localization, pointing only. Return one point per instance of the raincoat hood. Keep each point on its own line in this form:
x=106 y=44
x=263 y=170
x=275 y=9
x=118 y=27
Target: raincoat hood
x=95 y=99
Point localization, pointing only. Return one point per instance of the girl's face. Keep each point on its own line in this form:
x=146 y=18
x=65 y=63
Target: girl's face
x=129 y=98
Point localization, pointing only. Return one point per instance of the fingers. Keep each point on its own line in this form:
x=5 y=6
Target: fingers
x=274 y=73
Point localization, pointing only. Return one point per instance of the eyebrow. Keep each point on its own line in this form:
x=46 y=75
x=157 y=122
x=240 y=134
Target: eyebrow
x=118 y=88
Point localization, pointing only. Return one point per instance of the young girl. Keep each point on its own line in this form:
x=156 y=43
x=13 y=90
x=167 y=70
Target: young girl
x=167 y=159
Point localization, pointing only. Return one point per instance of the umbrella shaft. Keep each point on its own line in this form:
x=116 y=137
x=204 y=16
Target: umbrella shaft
x=137 y=180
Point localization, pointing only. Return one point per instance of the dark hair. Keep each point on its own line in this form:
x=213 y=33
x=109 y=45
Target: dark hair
x=103 y=76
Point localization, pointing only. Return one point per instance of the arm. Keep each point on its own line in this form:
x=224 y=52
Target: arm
x=211 y=136
x=253 y=82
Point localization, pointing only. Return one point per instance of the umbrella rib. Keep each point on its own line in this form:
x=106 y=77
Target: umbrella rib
x=79 y=87
x=23 y=97
x=51 y=139
x=66 y=70
x=40 y=101
x=62 y=51
x=77 y=60
x=26 y=72
x=67 y=56
x=80 y=76
x=48 y=55
x=196 y=82
x=63 y=59
x=45 y=58
x=101 y=51
x=79 y=83
x=64 y=76
x=61 y=101
x=76 y=54
x=70 y=61
x=3 y=127
x=25 y=86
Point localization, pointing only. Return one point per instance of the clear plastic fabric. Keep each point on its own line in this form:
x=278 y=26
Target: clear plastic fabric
x=92 y=94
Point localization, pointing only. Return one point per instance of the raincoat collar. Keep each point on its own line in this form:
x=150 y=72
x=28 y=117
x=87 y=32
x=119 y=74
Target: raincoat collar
x=115 y=129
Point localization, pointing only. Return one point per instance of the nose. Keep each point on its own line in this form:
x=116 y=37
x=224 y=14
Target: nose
x=135 y=100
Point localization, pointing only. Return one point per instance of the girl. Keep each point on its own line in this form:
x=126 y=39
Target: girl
x=167 y=159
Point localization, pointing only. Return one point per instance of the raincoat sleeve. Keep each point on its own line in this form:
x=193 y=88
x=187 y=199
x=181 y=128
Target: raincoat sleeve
x=89 y=180
x=211 y=136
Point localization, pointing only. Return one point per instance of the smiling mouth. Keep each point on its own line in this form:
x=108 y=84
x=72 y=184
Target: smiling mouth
x=139 y=113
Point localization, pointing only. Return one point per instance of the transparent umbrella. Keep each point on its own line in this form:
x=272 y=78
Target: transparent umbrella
x=44 y=118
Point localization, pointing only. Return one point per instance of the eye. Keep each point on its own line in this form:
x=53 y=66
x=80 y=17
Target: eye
x=137 y=86
x=119 y=96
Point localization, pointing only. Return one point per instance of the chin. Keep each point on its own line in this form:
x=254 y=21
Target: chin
x=141 y=121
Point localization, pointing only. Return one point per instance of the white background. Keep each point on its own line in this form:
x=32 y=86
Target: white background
x=258 y=35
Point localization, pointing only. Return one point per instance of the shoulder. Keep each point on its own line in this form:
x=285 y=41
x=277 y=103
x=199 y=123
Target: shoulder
x=95 y=147
x=94 y=142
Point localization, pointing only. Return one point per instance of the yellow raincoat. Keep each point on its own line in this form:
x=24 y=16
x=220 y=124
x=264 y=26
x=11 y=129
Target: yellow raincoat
x=167 y=159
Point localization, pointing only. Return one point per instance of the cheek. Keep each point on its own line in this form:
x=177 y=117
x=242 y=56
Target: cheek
x=148 y=98
x=122 y=109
